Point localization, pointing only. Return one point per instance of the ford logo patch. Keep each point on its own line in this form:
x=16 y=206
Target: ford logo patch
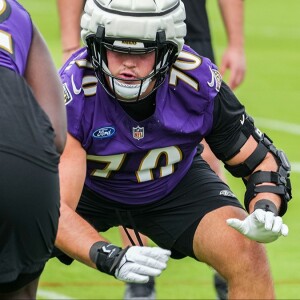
x=104 y=133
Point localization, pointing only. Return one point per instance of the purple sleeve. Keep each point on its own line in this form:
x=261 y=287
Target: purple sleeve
x=15 y=36
x=72 y=79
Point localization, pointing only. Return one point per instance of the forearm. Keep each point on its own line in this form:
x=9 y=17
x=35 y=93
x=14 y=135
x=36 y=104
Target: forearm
x=47 y=86
x=232 y=12
x=75 y=236
x=69 y=17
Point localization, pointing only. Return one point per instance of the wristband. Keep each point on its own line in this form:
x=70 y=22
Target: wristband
x=266 y=205
x=106 y=256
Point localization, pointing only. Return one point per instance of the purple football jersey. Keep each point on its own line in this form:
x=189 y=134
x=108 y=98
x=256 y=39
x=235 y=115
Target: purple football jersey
x=15 y=36
x=138 y=162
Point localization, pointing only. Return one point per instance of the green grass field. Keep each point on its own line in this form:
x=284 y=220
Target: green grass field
x=271 y=93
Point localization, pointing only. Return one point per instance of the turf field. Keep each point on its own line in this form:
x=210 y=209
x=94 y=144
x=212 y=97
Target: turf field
x=271 y=92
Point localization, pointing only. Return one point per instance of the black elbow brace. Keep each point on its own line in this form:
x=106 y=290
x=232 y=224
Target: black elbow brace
x=248 y=166
x=280 y=178
x=264 y=144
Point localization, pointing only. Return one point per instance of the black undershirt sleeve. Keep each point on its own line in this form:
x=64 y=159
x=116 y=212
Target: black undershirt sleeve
x=227 y=122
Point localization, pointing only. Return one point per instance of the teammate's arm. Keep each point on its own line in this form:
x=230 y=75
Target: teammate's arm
x=233 y=58
x=47 y=86
x=69 y=16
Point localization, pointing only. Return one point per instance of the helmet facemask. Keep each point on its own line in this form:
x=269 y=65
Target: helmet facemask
x=165 y=55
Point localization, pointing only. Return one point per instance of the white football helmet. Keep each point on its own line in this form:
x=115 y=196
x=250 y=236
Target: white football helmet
x=137 y=27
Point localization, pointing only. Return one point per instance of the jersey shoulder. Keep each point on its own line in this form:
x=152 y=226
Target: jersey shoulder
x=78 y=76
x=16 y=31
x=80 y=87
x=198 y=75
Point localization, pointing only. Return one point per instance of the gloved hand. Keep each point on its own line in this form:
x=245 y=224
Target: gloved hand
x=132 y=264
x=138 y=263
x=261 y=226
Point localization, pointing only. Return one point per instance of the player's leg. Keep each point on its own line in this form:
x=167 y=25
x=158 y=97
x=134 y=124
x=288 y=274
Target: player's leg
x=191 y=221
x=242 y=262
x=205 y=49
x=220 y=283
x=135 y=290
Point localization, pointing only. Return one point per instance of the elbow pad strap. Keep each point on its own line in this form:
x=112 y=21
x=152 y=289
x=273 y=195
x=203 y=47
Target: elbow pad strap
x=248 y=166
x=266 y=205
x=282 y=188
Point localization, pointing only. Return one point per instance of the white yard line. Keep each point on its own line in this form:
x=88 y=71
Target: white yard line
x=51 y=295
x=284 y=127
x=295 y=167
x=278 y=125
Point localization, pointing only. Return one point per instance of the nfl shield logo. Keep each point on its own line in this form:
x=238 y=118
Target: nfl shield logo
x=138 y=132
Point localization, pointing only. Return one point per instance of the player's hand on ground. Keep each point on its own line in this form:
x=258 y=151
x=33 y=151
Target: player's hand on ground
x=261 y=226
x=138 y=263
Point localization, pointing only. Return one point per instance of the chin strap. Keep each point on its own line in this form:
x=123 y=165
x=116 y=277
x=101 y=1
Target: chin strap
x=130 y=92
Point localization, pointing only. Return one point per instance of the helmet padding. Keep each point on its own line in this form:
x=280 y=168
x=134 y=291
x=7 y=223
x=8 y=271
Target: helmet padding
x=136 y=19
x=133 y=27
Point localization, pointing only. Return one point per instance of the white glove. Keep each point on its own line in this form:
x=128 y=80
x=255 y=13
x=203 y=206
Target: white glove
x=139 y=263
x=261 y=226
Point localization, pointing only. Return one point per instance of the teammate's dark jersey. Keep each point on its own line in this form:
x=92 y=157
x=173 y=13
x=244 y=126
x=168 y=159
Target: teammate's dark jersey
x=197 y=20
x=134 y=161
